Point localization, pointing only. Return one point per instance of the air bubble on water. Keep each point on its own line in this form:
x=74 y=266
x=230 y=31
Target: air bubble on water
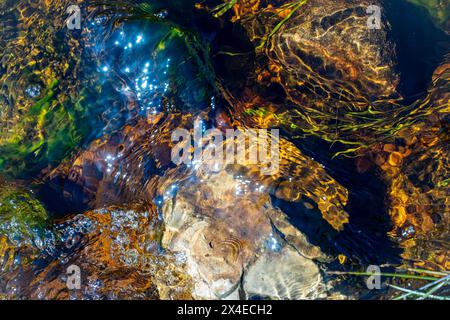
x=99 y=20
x=33 y=91
x=162 y=14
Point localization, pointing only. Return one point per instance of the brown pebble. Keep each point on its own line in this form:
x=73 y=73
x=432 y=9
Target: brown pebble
x=380 y=159
x=389 y=148
x=407 y=152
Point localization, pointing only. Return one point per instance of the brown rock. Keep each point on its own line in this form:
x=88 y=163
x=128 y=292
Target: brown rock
x=395 y=159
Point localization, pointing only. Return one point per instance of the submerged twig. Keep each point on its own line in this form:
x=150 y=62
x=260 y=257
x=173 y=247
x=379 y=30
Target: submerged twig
x=411 y=292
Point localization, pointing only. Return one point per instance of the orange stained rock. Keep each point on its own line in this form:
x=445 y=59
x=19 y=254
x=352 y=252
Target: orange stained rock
x=389 y=147
x=6 y=253
x=128 y=268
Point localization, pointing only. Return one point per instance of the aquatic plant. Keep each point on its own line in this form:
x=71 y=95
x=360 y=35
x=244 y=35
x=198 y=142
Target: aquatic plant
x=221 y=9
x=437 y=280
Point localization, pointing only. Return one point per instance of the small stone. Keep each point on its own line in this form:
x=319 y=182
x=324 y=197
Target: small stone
x=33 y=91
x=363 y=165
x=389 y=148
x=308 y=205
x=283 y=275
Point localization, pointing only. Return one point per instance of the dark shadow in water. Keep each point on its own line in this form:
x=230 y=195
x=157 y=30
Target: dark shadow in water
x=233 y=56
x=365 y=237
x=51 y=194
x=420 y=46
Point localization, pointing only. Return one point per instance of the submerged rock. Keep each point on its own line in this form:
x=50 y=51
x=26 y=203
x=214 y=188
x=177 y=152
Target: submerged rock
x=23 y=230
x=223 y=224
x=321 y=70
x=23 y=219
x=219 y=223
x=283 y=275
x=217 y=231
x=326 y=50
x=117 y=254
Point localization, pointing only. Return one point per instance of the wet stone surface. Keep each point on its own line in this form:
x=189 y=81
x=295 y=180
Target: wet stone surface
x=87 y=180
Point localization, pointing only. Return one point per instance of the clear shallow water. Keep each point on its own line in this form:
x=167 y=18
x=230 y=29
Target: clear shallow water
x=132 y=91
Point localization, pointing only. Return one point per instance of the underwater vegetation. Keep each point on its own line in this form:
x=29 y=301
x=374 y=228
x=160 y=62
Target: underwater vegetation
x=87 y=181
x=439 y=10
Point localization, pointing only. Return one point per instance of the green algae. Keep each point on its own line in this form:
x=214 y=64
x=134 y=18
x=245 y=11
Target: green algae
x=47 y=133
x=52 y=128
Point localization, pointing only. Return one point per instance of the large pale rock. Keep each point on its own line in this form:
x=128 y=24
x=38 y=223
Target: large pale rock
x=223 y=223
x=218 y=231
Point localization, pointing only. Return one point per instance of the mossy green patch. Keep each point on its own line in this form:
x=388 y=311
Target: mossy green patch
x=45 y=135
x=22 y=217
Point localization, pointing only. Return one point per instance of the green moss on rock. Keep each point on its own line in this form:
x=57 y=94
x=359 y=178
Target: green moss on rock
x=48 y=132
x=22 y=217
